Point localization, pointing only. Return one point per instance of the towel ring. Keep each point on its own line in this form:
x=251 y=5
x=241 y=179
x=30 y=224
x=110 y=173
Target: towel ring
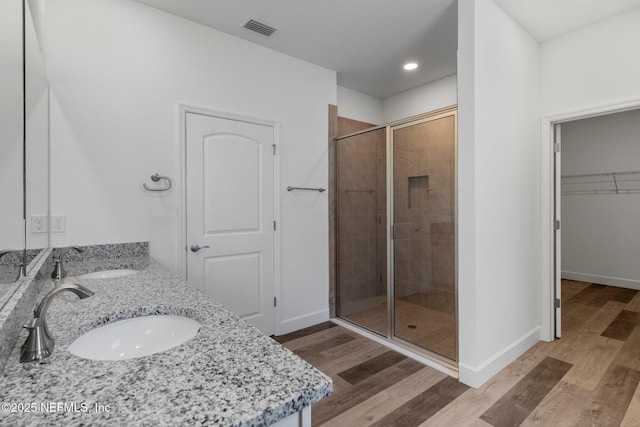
x=155 y=178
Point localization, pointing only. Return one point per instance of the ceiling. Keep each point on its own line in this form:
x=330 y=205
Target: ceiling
x=367 y=41
x=546 y=19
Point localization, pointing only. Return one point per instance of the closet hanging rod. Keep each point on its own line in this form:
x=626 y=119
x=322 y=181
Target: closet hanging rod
x=319 y=190
x=626 y=182
x=587 y=175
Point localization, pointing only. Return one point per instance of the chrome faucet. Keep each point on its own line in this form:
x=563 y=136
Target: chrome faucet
x=18 y=255
x=58 y=268
x=39 y=344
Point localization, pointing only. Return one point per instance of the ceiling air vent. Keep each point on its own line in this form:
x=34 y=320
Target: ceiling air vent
x=259 y=27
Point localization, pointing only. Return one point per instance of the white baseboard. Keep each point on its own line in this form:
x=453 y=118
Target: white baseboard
x=602 y=280
x=475 y=376
x=304 y=321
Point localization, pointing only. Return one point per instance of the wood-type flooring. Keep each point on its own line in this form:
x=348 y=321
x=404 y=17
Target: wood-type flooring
x=589 y=377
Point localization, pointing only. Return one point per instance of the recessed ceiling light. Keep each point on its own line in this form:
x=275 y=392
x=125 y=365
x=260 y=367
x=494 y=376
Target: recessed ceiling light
x=410 y=66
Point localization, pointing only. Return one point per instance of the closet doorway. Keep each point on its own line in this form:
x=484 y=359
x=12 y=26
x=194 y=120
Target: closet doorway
x=596 y=204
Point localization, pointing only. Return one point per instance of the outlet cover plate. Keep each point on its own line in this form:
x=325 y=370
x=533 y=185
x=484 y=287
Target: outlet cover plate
x=39 y=223
x=58 y=223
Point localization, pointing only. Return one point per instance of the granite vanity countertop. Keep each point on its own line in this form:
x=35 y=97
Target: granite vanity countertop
x=229 y=374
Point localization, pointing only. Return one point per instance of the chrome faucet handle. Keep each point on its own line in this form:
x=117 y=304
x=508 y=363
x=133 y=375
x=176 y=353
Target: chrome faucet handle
x=58 y=267
x=39 y=344
x=57 y=272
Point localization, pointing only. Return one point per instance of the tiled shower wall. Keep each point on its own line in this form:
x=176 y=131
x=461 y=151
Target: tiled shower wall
x=424 y=182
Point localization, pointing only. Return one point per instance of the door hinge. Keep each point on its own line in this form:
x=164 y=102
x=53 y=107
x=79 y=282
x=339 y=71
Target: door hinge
x=556 y=225
x=274 y=225
x=557 y=138
x=557 y=302
x=275 y=302
x=393 y=232
x=274 y=149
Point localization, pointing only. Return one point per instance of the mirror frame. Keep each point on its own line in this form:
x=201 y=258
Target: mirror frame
x=24 y=135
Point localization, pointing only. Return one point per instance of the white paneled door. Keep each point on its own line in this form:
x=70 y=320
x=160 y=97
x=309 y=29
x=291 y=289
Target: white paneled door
x=230 y=215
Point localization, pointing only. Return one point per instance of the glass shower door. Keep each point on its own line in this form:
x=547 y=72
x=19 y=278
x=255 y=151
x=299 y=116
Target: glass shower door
x=361 y=236
x=424 y=218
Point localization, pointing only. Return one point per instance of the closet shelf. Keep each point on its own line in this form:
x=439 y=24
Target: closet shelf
x=601 y=183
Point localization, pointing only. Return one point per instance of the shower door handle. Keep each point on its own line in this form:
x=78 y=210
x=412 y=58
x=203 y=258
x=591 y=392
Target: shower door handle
x=195 y=247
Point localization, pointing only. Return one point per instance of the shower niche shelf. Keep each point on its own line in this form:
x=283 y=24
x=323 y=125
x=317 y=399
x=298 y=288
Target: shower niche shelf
x=627 y=182
x=417 y=183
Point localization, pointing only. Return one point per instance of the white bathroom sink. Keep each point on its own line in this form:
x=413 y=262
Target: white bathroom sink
x=137 y=337
x=107 y=274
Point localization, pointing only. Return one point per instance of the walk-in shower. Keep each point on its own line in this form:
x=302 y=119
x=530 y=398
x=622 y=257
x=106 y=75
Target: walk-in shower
x=396 y=232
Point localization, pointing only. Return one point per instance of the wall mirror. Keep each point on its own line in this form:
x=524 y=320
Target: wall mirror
x=24 y=140
x=36 y=130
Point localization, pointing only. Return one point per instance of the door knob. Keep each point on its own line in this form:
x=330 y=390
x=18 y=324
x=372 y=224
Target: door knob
x=195 y=247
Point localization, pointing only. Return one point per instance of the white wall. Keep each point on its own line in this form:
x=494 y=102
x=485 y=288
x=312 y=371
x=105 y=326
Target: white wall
x=118 y=70
x=594 y=66
x=11 y=228
x=601 y=233
x=359 y=106
x=429 y=97
x=422 y=99
x=498 y=176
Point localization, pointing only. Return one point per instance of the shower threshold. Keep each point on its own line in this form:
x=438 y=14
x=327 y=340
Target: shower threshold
x=421 y=355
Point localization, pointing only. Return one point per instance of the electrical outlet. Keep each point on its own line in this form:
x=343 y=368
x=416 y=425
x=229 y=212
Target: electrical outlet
x=58 y=223
x=39 y=223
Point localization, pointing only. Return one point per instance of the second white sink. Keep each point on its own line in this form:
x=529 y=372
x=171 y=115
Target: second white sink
x=137 y=337
x=108 y=274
